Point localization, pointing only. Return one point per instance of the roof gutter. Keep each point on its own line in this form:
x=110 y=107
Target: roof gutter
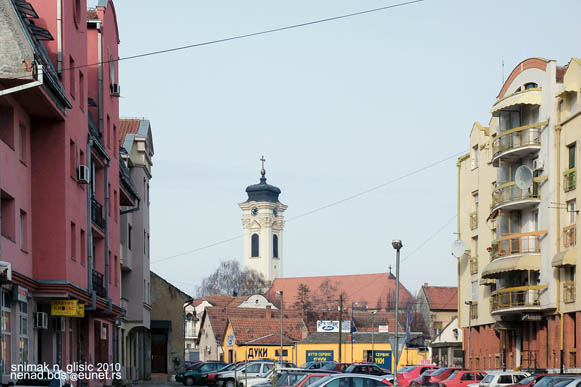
x=38 y=82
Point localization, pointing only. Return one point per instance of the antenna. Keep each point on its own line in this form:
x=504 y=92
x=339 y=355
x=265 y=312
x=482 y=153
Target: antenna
x=458 y=248
x=523 y=177
x=502 y=65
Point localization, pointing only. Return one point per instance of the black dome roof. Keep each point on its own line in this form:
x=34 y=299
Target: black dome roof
x=262 y=192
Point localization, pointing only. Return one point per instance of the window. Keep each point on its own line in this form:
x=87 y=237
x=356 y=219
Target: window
x=474 y=291
x=6 y=333
x=7 y=125
x=72 y=85
x=572 y=103
x=110 y=269
x=23 y=339
x=275 y=246
x=73 y=237
x=116 y=271
x=147 y=194
x=107 y=134
x=531 y=85
x=572 y=148
x=116 y=205
x=144 y=242
x=82 y=99
x=475 y=156
x=109 y=195
x=475 y=246
x=112 y=72
x=8 y=216
x=22 y=143
x=83 y=247
x=572 y=210
x=253 y=368
x=23 y=231
x=505 y=379
x=467 y=376
x=73 y=159
x=475 y=197
x=254 y=248
x=129 y=232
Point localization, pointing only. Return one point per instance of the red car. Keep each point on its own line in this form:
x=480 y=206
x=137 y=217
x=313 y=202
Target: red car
x=420 y=380
x=406 y=374
x=463 y=378
x=530 y=381
x=440 y=375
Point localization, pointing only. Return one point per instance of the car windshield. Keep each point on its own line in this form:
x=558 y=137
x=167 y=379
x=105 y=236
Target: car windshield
x=548 y=381
x=288 y=379
x=321 y=381
x=328 y=366
x=527 y=380
x=307 y=364
x=452 y=375
x=403 y=370
x=562 y=383
x=227 y=367
x=488 y=379
x=439 y=371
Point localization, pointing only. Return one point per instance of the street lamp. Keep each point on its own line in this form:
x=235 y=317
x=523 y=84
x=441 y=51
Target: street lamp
x=373 y=313
x=469 y=303
x=280 y=293
x=397 y=245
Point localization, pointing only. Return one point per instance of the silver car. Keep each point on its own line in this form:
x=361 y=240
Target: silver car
x=352 y=380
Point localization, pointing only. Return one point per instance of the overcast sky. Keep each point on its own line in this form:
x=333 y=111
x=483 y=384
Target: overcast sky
x=336 y=108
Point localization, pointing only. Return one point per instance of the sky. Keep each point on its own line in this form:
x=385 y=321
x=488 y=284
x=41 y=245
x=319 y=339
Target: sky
x=336 y=108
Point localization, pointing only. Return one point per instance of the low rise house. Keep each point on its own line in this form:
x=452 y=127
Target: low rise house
x=446 y=348
x=437 y=305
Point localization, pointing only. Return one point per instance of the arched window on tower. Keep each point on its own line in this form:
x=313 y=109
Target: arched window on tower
x=275 y=246
x=254 y=245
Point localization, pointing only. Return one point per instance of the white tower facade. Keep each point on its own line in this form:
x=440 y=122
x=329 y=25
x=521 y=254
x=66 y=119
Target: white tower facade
x=263 y=223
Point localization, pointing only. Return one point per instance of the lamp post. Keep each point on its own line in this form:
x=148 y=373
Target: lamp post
x=373 y=313
x=397 y=245
x=469 y=303
x=189 y=302
x=280 y=293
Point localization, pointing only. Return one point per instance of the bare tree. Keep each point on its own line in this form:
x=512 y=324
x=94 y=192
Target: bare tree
x=229 y=278
x=303 y=299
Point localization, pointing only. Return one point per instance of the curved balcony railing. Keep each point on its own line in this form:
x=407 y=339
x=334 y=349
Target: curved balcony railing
x=570 y=235
x=523 y=243
x=570 y=179
x=509 y=192
x=521 y=297
x=569 y=291
x=520 y=137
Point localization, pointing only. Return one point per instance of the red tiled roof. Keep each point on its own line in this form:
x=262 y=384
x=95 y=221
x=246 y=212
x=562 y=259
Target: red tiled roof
x=92 y=14
x=222 y=300
x=374 y=290
x=219 y=317
x=126 y=126
x=267 y=331
x=560 y=73
x=442 y=297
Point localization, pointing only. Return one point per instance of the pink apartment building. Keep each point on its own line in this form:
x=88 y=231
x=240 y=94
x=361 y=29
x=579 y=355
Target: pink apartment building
x=61 y=183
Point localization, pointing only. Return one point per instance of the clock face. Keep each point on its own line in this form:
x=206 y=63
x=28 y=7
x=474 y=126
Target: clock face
x=254 y=211
x=275 y=212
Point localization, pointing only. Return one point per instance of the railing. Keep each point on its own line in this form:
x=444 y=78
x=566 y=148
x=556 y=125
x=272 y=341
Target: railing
x=569 y=291
x=474 y=220
x=510 y=192
x=97 y=213
x=518 y=297
x=570 y=235
x=474 y=311
x=570 y=179
x=519 y=137
x=524 y=243
x=473 y=265
x=98 y=284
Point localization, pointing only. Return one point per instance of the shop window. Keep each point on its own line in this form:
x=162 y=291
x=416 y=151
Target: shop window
x=23 y=339
x=6 y=333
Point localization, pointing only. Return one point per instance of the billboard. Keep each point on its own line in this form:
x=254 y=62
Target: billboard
x=322 y=355
x=383 y=359
x=333 y=326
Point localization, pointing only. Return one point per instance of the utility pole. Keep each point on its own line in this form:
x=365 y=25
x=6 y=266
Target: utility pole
x=340 y=326
x=397 y=245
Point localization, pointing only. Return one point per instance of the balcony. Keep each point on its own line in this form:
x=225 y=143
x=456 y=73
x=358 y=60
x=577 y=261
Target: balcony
x=99 y=284
x=517 y=143
x=512 y=244
x=569 y=291
x=473 y=265
x=474 y=220
x=97 y=213
x=570 y=179
x=570 y=235
x=517 y=299
x=509 y=196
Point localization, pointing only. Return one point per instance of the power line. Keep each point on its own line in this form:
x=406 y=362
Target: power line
x=249 y=35
x=428 y=239
x=321 y=208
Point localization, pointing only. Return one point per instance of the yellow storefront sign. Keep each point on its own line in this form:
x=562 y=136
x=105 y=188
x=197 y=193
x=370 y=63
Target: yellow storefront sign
x=69 y=308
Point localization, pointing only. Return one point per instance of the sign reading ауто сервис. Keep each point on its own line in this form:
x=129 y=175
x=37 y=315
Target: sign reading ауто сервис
x=321 y=355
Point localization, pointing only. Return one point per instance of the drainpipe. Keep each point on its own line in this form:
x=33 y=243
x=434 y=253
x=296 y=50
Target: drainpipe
x=59 y=36
x=90 y=257
x=100 y=61
x=106 y=211
x=136 y=208
x=559 y=311
x=458 y=164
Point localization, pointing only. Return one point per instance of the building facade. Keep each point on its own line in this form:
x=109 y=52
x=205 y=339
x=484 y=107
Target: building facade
x=134 y=350
x=263 y=224
x=517 y=216
x=60 y=184
x=438 y=305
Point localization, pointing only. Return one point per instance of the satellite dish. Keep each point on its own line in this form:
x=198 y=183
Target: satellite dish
x=523 y=177
x=458 y=248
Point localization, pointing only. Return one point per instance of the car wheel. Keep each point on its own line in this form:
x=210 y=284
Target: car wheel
x=229 y=383
x=189 y=381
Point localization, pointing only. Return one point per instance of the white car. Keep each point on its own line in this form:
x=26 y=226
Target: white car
x=504 y=378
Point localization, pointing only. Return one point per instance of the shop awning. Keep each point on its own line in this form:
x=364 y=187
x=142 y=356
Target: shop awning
x=519 y=262
x=565 y=257
x=527 y=97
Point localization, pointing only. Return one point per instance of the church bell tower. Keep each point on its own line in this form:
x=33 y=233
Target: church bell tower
x=263 y=224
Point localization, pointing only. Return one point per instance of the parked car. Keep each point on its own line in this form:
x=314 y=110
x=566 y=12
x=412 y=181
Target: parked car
x=189 y=364
x=326 y=365
x=211 y=377
x=551 y=380
x=530 y=380
x=352 y=380
x=365 y=368
x=405 y=374
x=440 y=375
x=503 y=378
x=289 y=377
x=257 y=368
x=568 y=382
x=463 y=378
x=195 y=375
x=419 y=381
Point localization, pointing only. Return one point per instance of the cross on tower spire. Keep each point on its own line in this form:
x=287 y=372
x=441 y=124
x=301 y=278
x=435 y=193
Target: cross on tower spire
x=390 y=268
x=262 y=171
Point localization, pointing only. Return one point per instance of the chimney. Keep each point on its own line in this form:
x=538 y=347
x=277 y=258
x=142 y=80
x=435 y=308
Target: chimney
x=268 y=312
x=425 y=284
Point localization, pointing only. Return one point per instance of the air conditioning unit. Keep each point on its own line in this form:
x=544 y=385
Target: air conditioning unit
x=59 y=324
x=41 y=320
x=83 y=174
x=115 y=90
x=538 y=165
